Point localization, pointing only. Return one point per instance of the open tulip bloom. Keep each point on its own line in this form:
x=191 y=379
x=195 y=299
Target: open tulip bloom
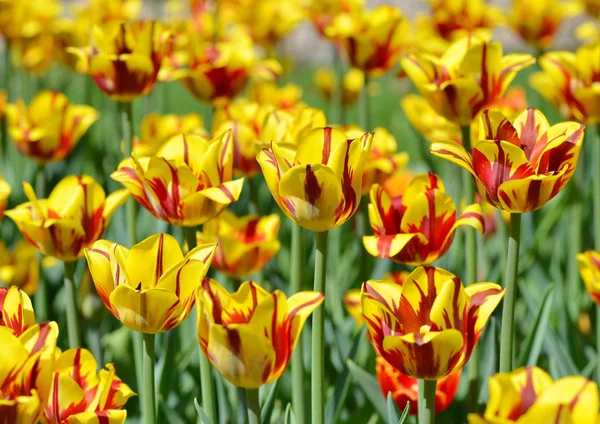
x=16 y=311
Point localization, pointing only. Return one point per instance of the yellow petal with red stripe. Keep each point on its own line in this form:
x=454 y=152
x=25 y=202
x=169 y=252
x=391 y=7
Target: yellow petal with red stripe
x=453 y=152
x=318 y=146
x=589 y=268
x=16 y=311
x=387 y=246
x=471 y=216
x=484 y=298
x=300 y=306
x=21 y=410
x=148 y=260
x=99 y=417
x=112 y=393
x=66 y=398
x=530 y=193
x=352 y=303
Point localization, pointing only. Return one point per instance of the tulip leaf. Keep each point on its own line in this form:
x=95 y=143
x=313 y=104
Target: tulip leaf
x=267 y=407
x=392 y=409
x=404 y=416
x=289 y=415
x=533 y=343
x=370 y=387
x=203 y=417
x=590 y=368
x=170 y=413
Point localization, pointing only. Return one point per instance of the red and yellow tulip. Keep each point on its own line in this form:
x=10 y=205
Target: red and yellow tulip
x=418 y=226
x=244 y=244
x=470 y=76
x=73 y=217
x=319 y=186
x=156 y=130
x=249 y=336
x=289 y=129
x=352 y=84
x=5 y=190
x=404 y=389
x=427 y=327
x=16 y=311
x=21 y=267
x=79 y=394
x=149 y=288
x=570 y=82
x=589 y=268
x=323 y=12
x=529 y=395
x=267 y=93
x=518 y=165
x=187 y=183
x=50 y=128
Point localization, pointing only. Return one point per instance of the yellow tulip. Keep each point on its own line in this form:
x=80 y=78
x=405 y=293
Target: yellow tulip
x=27 y=18
x=589 y=268
x=156 y=130
x=287 y=97
x=187 y=183
x=529 y=396
x=249 y=336
x=244 y=244
x=352 y=84
x=323 y=12
x=149 y=288
x=4 y=195
x=320 y=185
x=50 y=128
x=21 y=267
x=288 y=129
x=268 y=21
x=427 y=327
x=73 y=217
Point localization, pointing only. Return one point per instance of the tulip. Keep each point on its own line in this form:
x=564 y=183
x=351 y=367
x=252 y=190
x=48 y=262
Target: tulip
x=318 y=187
x=409 y=326
x=370 y=38
x=249 y=336
x=529 y=395
x=26 y=18
x=518 y=165
x=290 y=129
x=323 y=12
x=21 y=267
x=244 y=244
x=417 y=227
x=570 y=82
x=352 y=84
x=50 y=128
x=4 y=195
x=404 y=389
x=79 y=395
x=592 y=7
x=589 y=268
x=157 y=129
x=124 y=58
x=16 y=311
x=288 y=97
x=105 y=11
x=268 y=21
x=187 y=183
x=469 y=77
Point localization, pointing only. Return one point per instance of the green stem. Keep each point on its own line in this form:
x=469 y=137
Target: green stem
x=362 y=215
x=190 y=237
x=148 y=398
x=426 y=402
x=510 y=297
x=253 y=198
x=596 y=170
x=71 y=301
x=335 y=102
x=318 y=333
x=297 y=360
x=364 y=107
x=95 y=342
x=40 y=298
x=253 y=406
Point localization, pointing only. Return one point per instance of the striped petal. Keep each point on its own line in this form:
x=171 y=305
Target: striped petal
x=453 y=152
x=148 y=260
x=530 y=193
x=66 y=398
x=389 y=246
x=318 y=146
x=16 y=311
x=589 y=268
x=99 y=417
x=484 y=298
x=300 y=306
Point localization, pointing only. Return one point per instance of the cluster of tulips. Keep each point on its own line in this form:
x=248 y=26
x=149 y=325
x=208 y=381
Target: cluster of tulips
x=197 y=249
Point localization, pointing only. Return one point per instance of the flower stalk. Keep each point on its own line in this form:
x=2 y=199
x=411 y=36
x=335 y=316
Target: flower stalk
x=41 y=295
x=596 y=195
x=318 y=333
x=253 y=402
x=148 y=398
x=297 y=356
x=71 y=301
x=426 y=401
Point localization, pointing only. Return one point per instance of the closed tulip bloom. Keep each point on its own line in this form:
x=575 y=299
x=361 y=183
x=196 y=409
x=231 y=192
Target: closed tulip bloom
x=50 y=128
x=149 y=288
x=518 y=165
x=529 y=395
x=470 y=76
x=73 y=217
x=244 y=244
x=156 y=130
x=570 y=82
x=26 y=371
x=16 y=312
x=427 y=327
x=404 y=389
x=4 y=195
x=289 y=129
x=20 y=267
x=268 y=21
x=351 y=301
x=124 y=58
x=268 y=93
x=320 y=186
x=417 y=227
x=589 y=268
x=323 y=12
x=81 y=395
x=187 y=183
x=371 y=39
x=249 y=336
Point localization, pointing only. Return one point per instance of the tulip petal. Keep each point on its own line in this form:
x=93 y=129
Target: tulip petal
x=589 y=268
x=114 y=392
x=113 y=201
x=16 y=311
x=453 y=152
x=105 y=417
x=300 y=306
x=388 y=246
x=530 y=193
x=150 y=259
x=66 y=398
x=318 y=146
x=484 y=298
x=471 y=216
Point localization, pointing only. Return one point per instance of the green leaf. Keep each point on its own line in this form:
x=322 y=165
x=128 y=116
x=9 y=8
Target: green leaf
x=392 y=409
x=370 y=387
x=171 y=414
x=203 y=417
x=533 y=343
x=267 y=407
x=405 y=413
x=289 y=415
x=590 y=368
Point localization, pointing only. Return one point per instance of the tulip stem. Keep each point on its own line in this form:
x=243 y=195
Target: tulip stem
x=426 y=402
x=40 y=298
x=297 y=360
x=71 y=301
x=510 y=284
x=149 y=397
x=253 y=406
x=318 y=333
x=596 y=170
x=362 y=215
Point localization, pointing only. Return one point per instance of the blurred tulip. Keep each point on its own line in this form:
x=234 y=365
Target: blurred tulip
x=50 y=128
x=404 y=389
x=249 y=336
x=26 y=371
x=268 y=21
x=417 y=227
x=106 y=11
x=589 y=268
x=27 y=18
x=21 y=267
x=470 y=76
x=592 y=7
x=570 y=82
x=157 y=129
x=528 y=395
x=352 y=303
x=79 y=395
x=187 y=183
x=73 y=217
x=537 y=22
x=288 y=129
x=352 y=84
x=124 y=58
x=4 y=195
x=588 y=31
x=428 y=327
x=149 y=288
x=518 y=165
x=371 y=39
x=318 y=186
x=323 y=12
x=16 y=311
x=396 y=184
x=286 y=97
x=244 y=244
